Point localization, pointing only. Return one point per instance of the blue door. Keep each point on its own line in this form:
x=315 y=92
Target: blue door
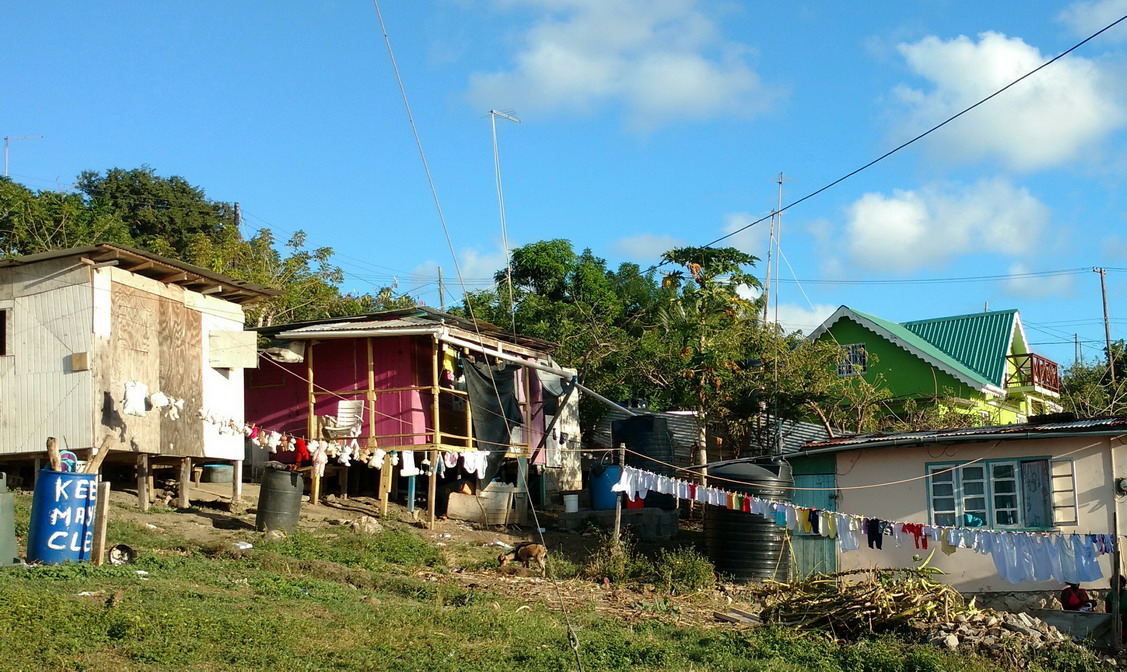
x=814 y=554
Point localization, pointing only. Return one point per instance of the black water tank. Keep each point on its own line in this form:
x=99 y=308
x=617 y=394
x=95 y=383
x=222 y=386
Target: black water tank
x=647 y=436
x=279 y=500
x=745 y=546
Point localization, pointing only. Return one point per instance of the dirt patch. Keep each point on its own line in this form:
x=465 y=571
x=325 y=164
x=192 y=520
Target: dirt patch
x=212 y=521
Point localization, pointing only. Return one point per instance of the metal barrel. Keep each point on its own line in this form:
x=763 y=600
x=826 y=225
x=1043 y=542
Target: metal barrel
x=279 y=500
x=7 y=523
x=744 y=546
x=650 y=446
x=62 y=517
x=603 y=478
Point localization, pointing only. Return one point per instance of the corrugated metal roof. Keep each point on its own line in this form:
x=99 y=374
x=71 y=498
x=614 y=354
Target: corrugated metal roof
x=687 y=433
x=163 y=269
x=368 y=325
x=684 y=427
x=418 y=317
x=909 y=340
x=980 y=341
x=1114 y=425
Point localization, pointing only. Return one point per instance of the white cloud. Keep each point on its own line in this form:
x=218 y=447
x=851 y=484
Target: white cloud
x=1037 y=287
x=806 y=319
x=1050 y=118
x=647 y=246
x=1085 y=18
x=752 y=240
x=477 y=268
x=1115 y=247
x=662 y=60
x=913 y=229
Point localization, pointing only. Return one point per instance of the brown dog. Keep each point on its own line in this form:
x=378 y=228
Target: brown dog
x=525 y=553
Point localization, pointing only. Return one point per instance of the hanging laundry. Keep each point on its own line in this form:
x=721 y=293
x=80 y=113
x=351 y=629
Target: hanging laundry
x=874 y=532
x=135 y=399
x=408 y=460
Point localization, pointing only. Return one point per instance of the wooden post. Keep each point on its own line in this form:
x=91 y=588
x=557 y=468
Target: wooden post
x=371 y=396
x=311 y=421
x=101 y=514
x=342 y=482
x=436 y=422
x=94 y=463
x=150 y=479
x=237 y=481
x=143 y=484
x=314 y=487
x=618 y=498
x=385 y=483
x=185 y=482
x=432 y=488
x=53 y=457
x=522 y=490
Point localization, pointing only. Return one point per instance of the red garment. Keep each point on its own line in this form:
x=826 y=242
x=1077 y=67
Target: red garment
x=1072 y=599
x=917 y=531
x=302 y=454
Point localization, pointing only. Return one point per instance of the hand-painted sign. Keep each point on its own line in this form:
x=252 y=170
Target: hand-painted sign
x=62 y=517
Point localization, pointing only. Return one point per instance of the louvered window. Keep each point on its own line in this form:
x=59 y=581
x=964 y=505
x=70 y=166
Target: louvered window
x=854 y=360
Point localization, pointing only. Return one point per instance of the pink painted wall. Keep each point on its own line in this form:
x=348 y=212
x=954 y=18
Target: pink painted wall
x=277 y=400
x=276 y=394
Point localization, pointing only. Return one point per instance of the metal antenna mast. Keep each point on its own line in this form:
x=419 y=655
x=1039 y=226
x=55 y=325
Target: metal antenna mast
x=8 y=139
x=493 y=114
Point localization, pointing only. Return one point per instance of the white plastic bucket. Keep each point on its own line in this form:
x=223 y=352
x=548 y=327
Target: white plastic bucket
x=571 y=503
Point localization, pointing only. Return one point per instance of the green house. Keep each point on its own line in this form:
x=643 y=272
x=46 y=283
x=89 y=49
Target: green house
x=977 y=363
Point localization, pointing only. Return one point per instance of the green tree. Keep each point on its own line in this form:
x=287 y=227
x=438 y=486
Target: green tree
x=1087 y=389
x=38 y=221
x=169 y=216
x=166 y=215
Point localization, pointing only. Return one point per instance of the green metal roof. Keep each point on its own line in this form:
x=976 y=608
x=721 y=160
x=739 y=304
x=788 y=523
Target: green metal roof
x=980 y=341
x=911 y=341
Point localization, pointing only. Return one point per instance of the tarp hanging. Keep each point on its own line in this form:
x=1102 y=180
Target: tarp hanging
x=494 y=410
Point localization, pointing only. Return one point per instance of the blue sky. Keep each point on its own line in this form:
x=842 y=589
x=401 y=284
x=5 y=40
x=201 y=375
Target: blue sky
x=645 y=124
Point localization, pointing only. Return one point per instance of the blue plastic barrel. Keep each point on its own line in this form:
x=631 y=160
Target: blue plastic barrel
x=62 y=517
x=602 y=478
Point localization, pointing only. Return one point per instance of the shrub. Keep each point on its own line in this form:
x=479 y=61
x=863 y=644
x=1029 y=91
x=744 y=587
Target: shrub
x=617 y=562
x=684 y=570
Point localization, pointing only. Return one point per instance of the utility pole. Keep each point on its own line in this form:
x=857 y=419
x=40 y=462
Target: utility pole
x=8 y=139
x=1107 y=323
x=238 y=216
x=1078 y=356
x=772 y=245
x=493 y=114
x=767 y=282
x=778 y=247
x=441 y=292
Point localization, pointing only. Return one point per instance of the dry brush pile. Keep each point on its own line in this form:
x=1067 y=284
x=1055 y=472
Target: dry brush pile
x=858 y=602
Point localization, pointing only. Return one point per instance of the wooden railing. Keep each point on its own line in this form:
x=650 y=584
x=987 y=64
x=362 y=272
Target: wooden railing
x=1034 y=370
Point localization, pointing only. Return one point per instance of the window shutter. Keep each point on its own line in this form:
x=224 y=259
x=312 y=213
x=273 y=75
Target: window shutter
x=1063 y=483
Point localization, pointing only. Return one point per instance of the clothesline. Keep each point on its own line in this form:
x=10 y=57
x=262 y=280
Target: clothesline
x=1018 y=556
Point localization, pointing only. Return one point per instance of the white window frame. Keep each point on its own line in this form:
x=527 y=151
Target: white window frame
x=983 y=489
x=855 y=361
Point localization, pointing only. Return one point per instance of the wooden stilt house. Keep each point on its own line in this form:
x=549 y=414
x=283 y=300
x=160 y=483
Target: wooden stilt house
x=409 y=371
x=107 y=339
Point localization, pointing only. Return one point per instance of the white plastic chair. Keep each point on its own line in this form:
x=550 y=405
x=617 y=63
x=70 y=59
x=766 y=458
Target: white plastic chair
x=347 y=423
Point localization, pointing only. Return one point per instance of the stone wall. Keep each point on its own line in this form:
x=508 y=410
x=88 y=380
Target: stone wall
x=1019 y=601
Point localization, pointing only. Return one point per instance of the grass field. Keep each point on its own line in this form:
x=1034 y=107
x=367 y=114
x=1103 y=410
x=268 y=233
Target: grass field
x=338 y=600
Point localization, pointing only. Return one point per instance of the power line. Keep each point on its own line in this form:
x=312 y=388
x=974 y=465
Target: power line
x=926 y=133
x=937 y=281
